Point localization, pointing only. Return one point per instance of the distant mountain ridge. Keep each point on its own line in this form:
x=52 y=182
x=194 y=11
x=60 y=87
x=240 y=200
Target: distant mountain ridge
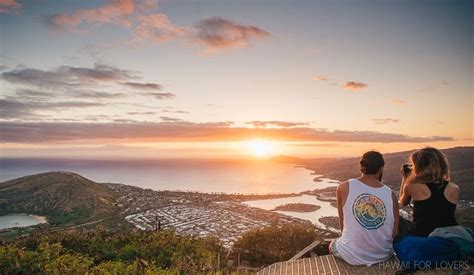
x=62 y=196
x=461 y=160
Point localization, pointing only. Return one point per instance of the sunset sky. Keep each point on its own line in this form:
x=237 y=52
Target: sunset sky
x=144 y=78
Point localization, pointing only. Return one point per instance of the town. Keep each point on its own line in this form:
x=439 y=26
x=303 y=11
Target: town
x=197 y=221
x=198 y=214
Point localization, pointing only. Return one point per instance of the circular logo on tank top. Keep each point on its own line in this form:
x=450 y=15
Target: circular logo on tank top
x=369 y=211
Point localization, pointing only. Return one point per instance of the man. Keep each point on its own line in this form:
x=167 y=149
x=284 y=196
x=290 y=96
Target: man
x=368 y=215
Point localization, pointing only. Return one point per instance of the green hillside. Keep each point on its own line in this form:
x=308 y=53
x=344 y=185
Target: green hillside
x=63 y=197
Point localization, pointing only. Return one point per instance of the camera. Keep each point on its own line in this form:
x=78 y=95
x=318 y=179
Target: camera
x=407 y=168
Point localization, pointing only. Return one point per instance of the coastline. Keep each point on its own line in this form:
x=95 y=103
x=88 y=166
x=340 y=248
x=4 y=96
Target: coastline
x=20 y=220
x=135 y=199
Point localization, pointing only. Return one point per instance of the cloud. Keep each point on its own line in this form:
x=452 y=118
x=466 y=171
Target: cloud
x=283 y=124
x=433 y=87
x=98 y=95
x=175 y=112
x=397 y=101
x=12 y=109
x=170 y=119
x=141 y=113
x=385 y=120
x=99 y=117
x=123 y=120
x=114 y=11
x=143 y=86
x=44 y=132
x=66 y=76
x=100 y=72
x=216 y=34
x=354 y=85
x=156 y=28
x=320 y=78
x=160 y=95
x=7 y=6
x=68 y=82
x=32 y=94
x=38 y=95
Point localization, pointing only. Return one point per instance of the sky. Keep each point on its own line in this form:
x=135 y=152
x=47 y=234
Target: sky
x=164 y=79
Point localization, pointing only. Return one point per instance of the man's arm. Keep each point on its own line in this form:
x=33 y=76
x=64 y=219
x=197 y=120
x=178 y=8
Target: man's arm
x=342 y=192
x=396 y=215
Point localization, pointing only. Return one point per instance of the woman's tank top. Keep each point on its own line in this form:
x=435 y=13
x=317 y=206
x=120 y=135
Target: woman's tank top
x=436 y=211
x=368 y=225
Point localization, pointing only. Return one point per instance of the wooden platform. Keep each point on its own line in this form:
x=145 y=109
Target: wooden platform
x=327 y=264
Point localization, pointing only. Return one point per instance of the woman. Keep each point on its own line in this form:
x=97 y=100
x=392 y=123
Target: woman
x=426 y=182
x=368 y=215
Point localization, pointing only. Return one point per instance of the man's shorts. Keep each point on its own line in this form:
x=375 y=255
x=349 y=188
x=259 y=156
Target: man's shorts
x=333 y=248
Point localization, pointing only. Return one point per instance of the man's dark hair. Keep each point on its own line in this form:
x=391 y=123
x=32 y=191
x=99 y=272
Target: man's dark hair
x=371 y=162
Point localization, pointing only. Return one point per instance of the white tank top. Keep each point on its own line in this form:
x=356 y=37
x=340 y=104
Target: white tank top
x=368 y=225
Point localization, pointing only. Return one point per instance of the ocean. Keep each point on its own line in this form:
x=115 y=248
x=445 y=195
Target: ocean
x=20 y=220
x=203 y=175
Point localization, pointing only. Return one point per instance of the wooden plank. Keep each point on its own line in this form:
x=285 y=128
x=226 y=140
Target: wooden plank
x=305 y=250
x=308 y=264
x=316 y=263
x=335 y=264
x=321 y=264
x=327 y=265
x=291 y=262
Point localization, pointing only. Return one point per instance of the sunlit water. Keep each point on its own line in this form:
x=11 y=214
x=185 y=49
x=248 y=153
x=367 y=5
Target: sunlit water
x=326 y=208
x=20 y=220
x=190 y=175
x=260 y=177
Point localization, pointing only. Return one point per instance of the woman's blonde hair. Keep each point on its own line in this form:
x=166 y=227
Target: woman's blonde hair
x=429 y=165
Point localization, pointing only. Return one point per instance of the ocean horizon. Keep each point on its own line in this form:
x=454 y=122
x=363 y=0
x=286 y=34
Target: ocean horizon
x=198 y=175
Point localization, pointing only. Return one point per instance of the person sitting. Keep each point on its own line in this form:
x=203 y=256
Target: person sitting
x=368 y=215
x=426 y=182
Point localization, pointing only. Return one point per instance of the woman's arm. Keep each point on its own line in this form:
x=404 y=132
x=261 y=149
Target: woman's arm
x=451 y=193
x=405 y=196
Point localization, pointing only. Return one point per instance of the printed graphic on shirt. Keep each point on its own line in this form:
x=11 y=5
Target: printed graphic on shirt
x=369 y=211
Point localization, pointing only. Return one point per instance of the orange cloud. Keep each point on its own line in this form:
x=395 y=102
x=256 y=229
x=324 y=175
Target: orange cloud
x=156 y=28
x=217 y=34
x=320 y=78
x=214 y=33
x=44 y=132
x=385 y=120
x=354 y=86
x=114 y=11
x=276 y=123
x=7 y=6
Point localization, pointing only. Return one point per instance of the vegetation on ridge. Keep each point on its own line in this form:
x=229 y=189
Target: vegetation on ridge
x=140 y=252
x=63 y=197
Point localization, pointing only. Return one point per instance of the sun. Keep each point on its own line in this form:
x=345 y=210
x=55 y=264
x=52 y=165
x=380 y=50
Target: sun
x=261 y=148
